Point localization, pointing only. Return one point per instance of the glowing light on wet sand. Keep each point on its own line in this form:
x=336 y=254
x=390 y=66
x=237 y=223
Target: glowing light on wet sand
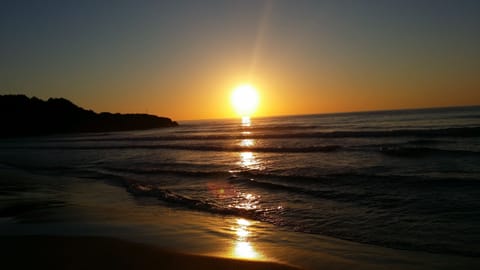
x=243 y=248
x=242 y=233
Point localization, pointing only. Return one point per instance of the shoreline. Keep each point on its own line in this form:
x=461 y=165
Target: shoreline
x=79 y=208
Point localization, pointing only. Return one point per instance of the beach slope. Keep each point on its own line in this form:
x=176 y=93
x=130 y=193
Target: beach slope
x=61 y=252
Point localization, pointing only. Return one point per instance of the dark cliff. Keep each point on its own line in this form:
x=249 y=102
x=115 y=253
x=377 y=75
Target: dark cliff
x=23 y=116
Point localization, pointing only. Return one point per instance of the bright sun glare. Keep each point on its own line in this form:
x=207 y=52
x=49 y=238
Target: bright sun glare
x=245 y=100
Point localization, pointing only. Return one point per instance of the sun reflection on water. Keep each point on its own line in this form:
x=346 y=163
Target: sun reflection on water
x=241 y=228
x=246 y=122
x=247 y=159
x=250 y=161
x=247 y=142
x=246 y=201
x=243 y=248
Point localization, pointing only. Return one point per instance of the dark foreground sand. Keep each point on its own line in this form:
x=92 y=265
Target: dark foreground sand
x=59 y=252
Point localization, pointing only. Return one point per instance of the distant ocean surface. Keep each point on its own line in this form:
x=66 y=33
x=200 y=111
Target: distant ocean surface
x=405 y=179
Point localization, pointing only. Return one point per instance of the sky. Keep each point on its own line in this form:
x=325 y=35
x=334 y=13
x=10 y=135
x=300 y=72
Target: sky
x=182 y=59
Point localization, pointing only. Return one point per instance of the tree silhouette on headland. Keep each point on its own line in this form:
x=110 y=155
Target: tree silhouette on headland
x=23 y=116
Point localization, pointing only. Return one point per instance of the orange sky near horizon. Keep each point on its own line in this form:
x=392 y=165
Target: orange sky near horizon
x=282 y=94
x=183 y=59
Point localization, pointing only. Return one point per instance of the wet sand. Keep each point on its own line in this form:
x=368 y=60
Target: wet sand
x=60 y=252
x=93 y=216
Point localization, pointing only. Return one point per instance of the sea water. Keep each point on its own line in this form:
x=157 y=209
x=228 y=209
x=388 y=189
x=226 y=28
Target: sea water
x=406 y=180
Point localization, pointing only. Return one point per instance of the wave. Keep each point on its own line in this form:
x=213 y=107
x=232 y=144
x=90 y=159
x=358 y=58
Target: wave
x=344 y=195
x=148 y=190
x=291 y=185
x=357 y=188
x=463 y=132
x=288 y=180
x=362 y=178
x=445 y=132
x=257 y=128
x=179 y=172
x=415 y=152
x=291 y=180
x=281 y=149
x=426 y=142
x=417 y=148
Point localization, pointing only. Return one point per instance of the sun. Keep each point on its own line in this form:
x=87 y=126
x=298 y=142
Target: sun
x=245 y=100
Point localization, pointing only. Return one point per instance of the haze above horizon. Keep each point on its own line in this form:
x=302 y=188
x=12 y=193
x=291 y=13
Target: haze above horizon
x=182 y=59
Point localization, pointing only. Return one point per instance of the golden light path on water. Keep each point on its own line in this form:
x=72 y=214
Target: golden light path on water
x=247 y=142
x=243 y=231
x=246 y=122
x=247 y=159
x=242 y=247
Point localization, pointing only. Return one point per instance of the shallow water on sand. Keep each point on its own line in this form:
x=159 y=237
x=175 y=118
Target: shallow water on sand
x=82 y=207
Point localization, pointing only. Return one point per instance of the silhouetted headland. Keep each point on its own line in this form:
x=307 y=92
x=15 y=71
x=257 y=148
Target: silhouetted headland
x=23 y=116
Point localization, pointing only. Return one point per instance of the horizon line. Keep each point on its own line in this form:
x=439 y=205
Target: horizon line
x=339 y=112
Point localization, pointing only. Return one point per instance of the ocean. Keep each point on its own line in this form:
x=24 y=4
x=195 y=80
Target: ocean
x=404 y=180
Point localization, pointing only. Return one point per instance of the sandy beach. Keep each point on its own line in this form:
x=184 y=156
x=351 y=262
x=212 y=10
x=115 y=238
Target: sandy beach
x=60 y=252
x=73 y=223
